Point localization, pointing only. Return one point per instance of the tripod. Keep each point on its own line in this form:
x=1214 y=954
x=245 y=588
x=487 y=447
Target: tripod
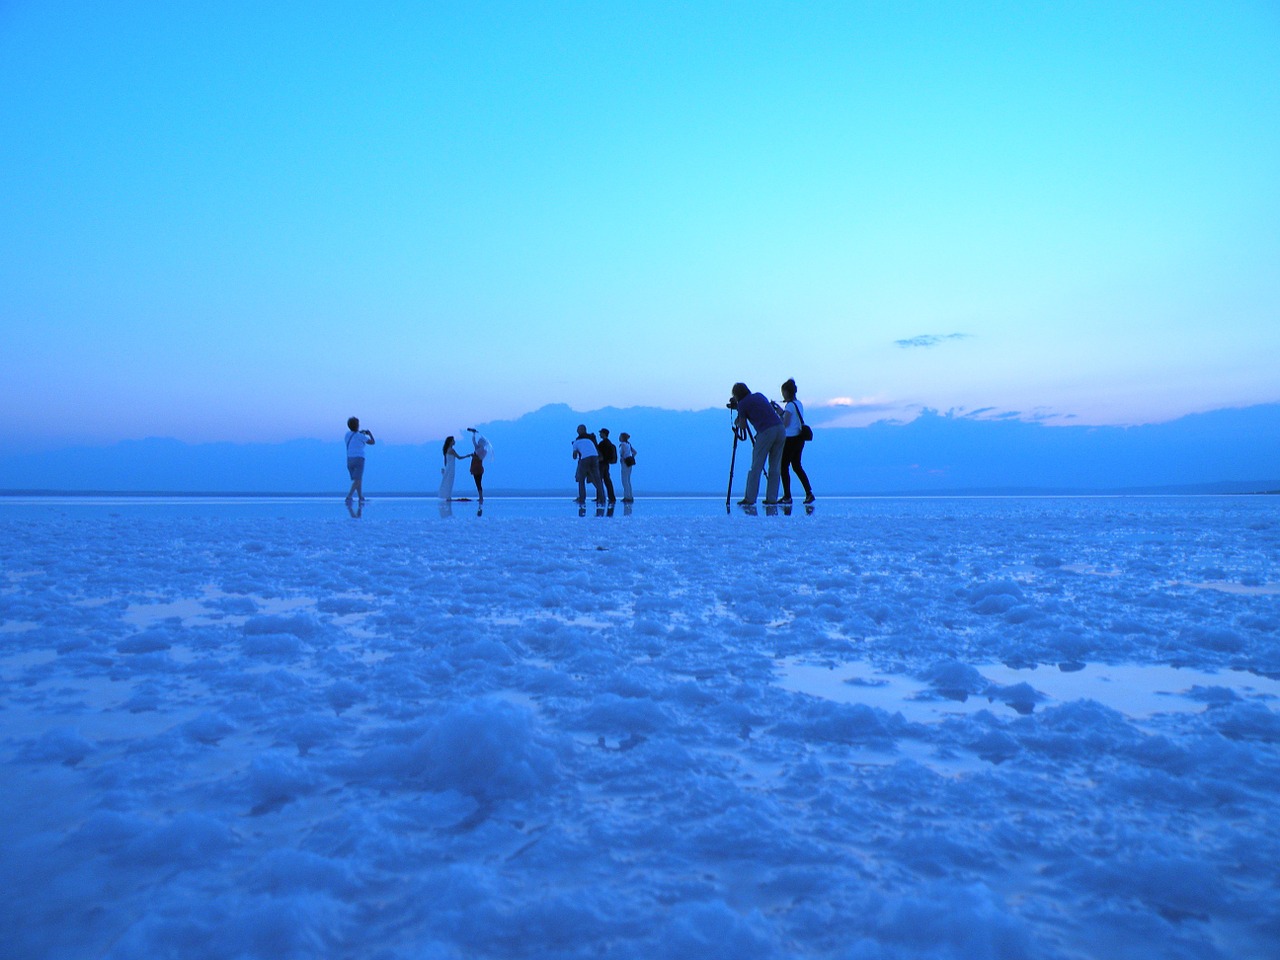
x=742 y=432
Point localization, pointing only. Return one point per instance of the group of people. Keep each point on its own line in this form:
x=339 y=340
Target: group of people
x=595 y=456
x=778 y=441
x=780 y=435
x=480 y=449
x=357 y=439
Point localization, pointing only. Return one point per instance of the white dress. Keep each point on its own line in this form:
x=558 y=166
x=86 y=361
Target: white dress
x=446 y=474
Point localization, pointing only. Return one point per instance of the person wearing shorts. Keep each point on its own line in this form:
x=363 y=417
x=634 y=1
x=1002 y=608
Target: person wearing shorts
x=356 y=441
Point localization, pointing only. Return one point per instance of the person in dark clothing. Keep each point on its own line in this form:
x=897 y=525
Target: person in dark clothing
x=755 y=409
x=793 y=423
x=608 y=455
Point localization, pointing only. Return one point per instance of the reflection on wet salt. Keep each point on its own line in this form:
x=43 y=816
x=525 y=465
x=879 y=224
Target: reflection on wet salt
x=1089 y=569
x=195 y=611
x=1135 y=690
x=1242 y=589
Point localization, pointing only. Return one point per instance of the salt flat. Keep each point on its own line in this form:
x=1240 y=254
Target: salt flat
x=892 y=728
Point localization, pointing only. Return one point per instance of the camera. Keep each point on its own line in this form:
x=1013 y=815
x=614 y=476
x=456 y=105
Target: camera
x=733 y=403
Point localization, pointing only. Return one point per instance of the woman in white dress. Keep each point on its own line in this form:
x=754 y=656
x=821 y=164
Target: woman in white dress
x=451 y=458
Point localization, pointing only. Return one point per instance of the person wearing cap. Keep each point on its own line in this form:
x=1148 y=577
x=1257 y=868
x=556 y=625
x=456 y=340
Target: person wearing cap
x=608 y=455
x=627 y=456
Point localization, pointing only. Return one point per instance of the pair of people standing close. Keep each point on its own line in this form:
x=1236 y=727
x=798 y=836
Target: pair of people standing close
x=779 y=441
x=481 y=448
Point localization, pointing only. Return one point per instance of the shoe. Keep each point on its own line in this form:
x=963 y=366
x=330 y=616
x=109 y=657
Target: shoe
x=770 y=503
x=579 y=502
x=810 y=498
x=746 y=503
x=785 y=500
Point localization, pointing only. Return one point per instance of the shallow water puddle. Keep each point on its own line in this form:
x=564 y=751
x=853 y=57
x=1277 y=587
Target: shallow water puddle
x=1135 y=690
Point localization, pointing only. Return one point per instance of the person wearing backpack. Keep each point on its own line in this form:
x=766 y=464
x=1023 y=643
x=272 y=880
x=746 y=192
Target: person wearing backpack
x=755 y=410
x=793 y=447
x=608 y=455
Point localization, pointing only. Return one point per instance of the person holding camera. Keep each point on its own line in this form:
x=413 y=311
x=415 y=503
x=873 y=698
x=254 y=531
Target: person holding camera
x=756 y=410
x=357 y=440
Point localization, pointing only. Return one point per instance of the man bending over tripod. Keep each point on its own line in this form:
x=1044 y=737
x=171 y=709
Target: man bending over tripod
x=755 y=409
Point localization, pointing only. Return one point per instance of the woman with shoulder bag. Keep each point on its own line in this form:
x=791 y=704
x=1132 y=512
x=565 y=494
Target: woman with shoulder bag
x=797 y=432
x=627 y=456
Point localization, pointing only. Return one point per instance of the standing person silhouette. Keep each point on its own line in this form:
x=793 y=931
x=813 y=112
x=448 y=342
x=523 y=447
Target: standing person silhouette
x=627 y=455
x=482 y=448
x=451 y=458
x=793 y=423
x=608 y=455
x=755 y=409
x=356 y=441
x=588 y=468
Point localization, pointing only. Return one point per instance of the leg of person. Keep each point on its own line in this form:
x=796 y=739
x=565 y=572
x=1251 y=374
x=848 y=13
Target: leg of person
x=607 y=480
x=477 y=473
x=580 y=474
x=626 y=484
x=788 y=457
x=593 y=469
x=351 y=472
x=759 y=452
x=776 y=442
x=804 y=477
x=356 y=465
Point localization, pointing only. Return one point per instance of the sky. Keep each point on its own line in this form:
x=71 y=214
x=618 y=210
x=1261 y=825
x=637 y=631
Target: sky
x=246 y=221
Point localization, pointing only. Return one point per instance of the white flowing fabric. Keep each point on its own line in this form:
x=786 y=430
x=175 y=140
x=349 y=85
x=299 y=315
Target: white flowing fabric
x=446 y=475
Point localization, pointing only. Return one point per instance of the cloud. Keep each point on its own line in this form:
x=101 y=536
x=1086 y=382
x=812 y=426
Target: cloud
x=862 y=412
x=874 y=404
x=929 y=340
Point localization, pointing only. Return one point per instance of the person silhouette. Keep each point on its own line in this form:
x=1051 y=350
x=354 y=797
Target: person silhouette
x=608 y=455
x=588 y=468
x=627 y=457
x=482 y=448
x=755 y=409
x=451 y=458
x=356 y=441
x=792 y=449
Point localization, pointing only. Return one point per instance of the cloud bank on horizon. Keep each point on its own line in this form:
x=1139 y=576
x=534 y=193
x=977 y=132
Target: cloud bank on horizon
x=257 y=220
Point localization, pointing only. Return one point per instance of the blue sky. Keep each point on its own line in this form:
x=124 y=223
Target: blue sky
x=248 y=221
